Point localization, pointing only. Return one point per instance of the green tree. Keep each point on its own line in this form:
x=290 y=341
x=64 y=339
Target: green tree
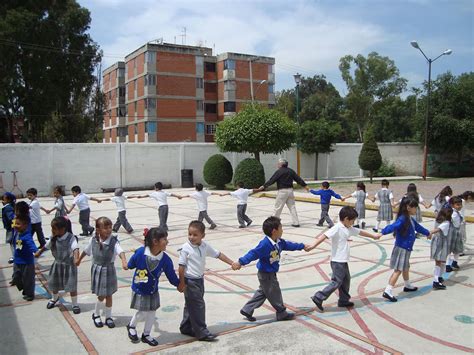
x=369 y=81
x=256 y=129
x=47 y=63
x=250 y=171
x=318 y=136
x=217 y=171
x=370 y=158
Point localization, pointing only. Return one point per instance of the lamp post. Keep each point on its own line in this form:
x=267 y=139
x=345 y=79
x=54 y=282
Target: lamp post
x=297 y=77
x=425 y=148
x=256 y=90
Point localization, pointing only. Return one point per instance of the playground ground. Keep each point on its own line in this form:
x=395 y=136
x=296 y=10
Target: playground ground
x=426 y=321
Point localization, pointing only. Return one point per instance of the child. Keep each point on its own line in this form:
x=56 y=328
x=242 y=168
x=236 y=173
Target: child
x=82 y=202
x=360 y=195
x=60 y=206
x=162 y=198
x=35 y=215
x=439 y=245
x=442 y=198
x=466 y=196
x=405 y=228
x=385 y=213
x=24 y=260
x=241 y=195
x=455 y=237
x=63 y=272
x=22 y=209
x=119 y=200
x=341 y=277
x=8 y=214
x=192 y=263
x=326 y=193
x=104 y=247
x=201 y=197
x=268 y=252
x=149 y=261
x=411 y=190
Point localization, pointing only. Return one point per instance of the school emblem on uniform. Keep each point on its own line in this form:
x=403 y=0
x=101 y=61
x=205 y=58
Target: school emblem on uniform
x=274 y=256
x=141 y=276
x=19 y=244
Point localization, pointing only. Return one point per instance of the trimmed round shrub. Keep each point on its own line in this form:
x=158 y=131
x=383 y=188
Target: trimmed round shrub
x=218 y=171
x=250 y=172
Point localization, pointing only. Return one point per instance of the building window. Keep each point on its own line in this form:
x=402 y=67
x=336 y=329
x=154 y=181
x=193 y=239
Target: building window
x=271 y=88
x=211 y=128
x=135 y=63
x=200 y=128
x=199 y=83
x=122 y=131
x=229 y=85
x=150 y=127
x=210 y=67
x=150 y=80
x=229 y=106
x=210 y=87
x=229 y=64
x=150 y=103
x=121 y=73
x=121 y=111
x=199 y=61
x=200 y=105
x=121 y=91
x=135 y=128
x=211 y=108
x=271 y=68
x=135 y=107
x=150 y=57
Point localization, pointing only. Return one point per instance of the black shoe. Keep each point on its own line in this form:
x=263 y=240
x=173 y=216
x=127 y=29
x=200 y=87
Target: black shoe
x=132 y=337
x=438 y=286
x=109 y=322
x=213 y=226
x=76 y=310
x=449 y=268
x=97 y=321
x=249 y=223
x=12 y=283
x=356 y=226
x=375 y=230
x=190 y=334
x=249 y=317
x=209 y=337
x=295 y=225
x=345 y=304
x=412 y=289
x=84 y=234
x=455 y=265
x=318 y=303
x=363 y=225
x=51 y=304
x=91 y=231
x=289 y=316
x=10 y=261
x=389 y=297
x=149 y=340
x=440 y=280
x=319 y=224
x=462 y=254
x=28 y=298
x=241 y=226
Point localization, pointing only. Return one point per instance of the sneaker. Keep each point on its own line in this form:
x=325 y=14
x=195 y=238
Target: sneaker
x=249 y=223
x=438 y=286
x=249 y=317
x=345 y=304
x=363 y=225
x=449 y=268
x=410 y=289
x=318 y=303
x=389 y=297
x=213 y=226
x=455 y=265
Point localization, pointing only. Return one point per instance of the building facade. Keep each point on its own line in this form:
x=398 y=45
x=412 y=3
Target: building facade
x=174 y=93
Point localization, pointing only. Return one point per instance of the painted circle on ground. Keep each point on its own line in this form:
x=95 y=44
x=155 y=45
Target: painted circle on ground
x=464 y=319
x=169 y=308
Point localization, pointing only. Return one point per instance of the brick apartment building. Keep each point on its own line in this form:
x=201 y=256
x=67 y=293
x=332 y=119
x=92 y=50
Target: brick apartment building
x=174 y=93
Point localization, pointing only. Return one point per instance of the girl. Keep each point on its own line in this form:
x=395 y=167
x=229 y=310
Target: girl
x=63 y=272
x=104 y=247
x=149 y=261
x=439 y=245
x=455 y=237
x=8 y=214
x=60 y=207
x=405 y=228
x=360 y=195
x=442 y=198
x=385 y=212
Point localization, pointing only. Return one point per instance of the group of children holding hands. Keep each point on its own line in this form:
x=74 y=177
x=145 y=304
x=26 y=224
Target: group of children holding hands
x=150 y=260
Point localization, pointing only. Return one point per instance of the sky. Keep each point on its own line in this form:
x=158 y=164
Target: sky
x=303 y=36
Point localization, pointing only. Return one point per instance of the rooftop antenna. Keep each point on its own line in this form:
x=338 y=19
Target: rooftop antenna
x=183 y=36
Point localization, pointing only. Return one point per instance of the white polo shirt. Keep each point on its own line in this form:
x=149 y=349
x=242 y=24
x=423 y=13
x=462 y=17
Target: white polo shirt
x=119 y=202
x=35 y=211
x=193 y=257
x=161 y=197
x=241 y=195
x=81 y=201
x=339 y=236
x=201 y=199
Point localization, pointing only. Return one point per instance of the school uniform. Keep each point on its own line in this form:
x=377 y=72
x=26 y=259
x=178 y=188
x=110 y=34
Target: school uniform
x=122 y=211
x=24 y=263
x=325 y=200
x=201 y=199
x=360 y=196
x=438 y=205
x=242 y=196
x=400 y=258
x=439 y=242
x=340 y=254
x=35 y=217
x=268 y=254
x=8 y=214
x=103 y=274
x=162 y=198
x=60 y=207
x=455 y=236
x=82 y=203
x=63 y=272
x=385 y=212
x=418 y=216
x=193 y=258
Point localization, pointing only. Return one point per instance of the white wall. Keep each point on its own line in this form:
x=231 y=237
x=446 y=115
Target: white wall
x=96 y=166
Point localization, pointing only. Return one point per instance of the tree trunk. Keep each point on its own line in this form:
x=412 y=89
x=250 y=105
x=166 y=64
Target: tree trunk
x=360 y=133
x=316 y=166
x=257 y=156
x=11 y=137
x=371 y=175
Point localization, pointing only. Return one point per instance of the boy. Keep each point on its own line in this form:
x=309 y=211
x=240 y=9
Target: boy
x=24 y=260
x=326 y=193
x=35 y=215
x=341 y=278
x=119 y=200
x=201 y=197
x=242 y=196
x=82 y=202
x=192 y=263
x=268 y=252
x=385 y=212
x=162 y=198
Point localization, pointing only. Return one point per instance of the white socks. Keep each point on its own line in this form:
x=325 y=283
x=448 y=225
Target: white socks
x=108 y=312
x=377 y=226
x=388 y=290
x=408 y=284
x=98 y=306
x=55 y=297
x=436 y=273
x=455 y=257
x=149 y=317
x=74 y=300
x=149 y=320
x=449 y=261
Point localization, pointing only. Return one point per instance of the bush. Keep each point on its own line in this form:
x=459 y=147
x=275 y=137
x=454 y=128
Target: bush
x=369 y=157
x=386 y=169
x=250 y=172
x=218 y=171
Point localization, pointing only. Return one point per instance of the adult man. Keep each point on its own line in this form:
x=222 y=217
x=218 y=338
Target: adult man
x=284 y=178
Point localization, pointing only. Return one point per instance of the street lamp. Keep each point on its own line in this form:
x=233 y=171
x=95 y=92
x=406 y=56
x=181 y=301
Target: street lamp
x=414 y=44
x=256 y=90
x=297 y=77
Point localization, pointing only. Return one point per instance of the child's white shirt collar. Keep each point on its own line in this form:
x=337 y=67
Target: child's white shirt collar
x=151 y=256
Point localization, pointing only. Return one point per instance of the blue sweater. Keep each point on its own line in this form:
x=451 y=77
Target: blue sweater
x=145 y=282
x=407 y=240
x=325 y=195
x=8 y=213
x=25 y=247
x=268 y=254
